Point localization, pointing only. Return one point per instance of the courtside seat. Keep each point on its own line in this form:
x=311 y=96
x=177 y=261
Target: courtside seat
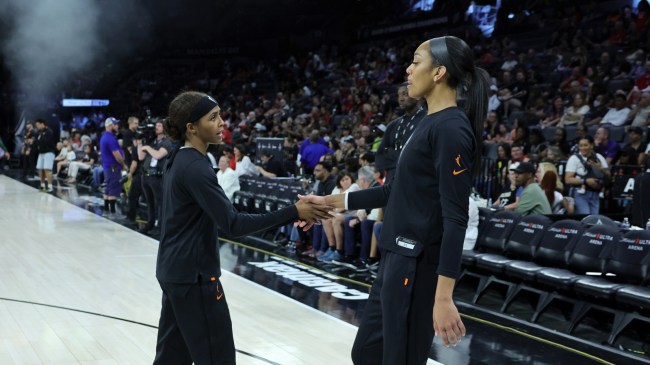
x=597 y=219
x=585 y=257
x=629 y=258
x=521 y=244
x=552 y=250
x=497 y=231
x=636 y=296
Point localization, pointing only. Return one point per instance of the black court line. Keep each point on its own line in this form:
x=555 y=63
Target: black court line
x=123 y=320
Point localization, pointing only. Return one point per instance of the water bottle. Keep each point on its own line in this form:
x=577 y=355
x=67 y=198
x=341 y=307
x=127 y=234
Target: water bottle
x=647 y=225
x=625 y=224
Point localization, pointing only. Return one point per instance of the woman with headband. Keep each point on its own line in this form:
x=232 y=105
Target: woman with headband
x=426 y=211
x=195 y=322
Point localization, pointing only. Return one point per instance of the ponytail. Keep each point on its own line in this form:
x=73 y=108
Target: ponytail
x=476 y=108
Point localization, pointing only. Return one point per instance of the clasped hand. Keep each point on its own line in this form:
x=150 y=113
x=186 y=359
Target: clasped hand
x=315 y=209
x=311 y=211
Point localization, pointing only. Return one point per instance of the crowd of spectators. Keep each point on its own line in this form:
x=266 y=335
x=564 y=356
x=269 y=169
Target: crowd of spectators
x=578 y=97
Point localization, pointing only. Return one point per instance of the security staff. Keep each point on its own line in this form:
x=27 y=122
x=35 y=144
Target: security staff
x=398 y=133
x=427 y=211
x=154 y=157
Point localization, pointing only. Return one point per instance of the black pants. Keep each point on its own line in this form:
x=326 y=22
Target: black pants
x=152 y=190
x=135 y=192
x=194 y=325
x=399 y=312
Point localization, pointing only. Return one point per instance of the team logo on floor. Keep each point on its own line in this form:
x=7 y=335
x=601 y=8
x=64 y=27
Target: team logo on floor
x=310 y=277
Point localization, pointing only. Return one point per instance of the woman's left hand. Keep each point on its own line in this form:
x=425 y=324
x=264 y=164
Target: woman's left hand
x=447 y=322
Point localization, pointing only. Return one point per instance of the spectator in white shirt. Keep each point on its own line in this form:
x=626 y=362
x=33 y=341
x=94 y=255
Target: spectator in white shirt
x=616 y=116
x=244 y=164
x=228 y=179
x=640 y=114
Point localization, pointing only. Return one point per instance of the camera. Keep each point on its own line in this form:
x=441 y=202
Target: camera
x=147 y=130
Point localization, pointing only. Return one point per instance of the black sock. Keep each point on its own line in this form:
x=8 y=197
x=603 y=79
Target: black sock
x=112 y=205
x=105 y=205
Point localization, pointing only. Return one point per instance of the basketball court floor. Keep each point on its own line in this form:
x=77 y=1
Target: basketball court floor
x=77 y=288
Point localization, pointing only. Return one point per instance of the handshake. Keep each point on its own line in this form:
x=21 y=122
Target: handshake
x=311 y=210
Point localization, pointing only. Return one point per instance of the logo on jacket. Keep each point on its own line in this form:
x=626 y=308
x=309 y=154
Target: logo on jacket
x=457 y=172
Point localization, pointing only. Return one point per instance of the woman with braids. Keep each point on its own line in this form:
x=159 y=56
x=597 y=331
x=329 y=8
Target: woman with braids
x=195 y=322
x=426 y=211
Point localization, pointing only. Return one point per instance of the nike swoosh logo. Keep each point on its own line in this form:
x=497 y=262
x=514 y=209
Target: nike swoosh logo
x=219 y=296
x=458 y=172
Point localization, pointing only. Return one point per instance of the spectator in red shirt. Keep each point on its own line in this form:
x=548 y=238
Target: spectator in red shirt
x=643 y=81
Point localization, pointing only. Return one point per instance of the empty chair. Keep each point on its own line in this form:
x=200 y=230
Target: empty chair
x=497 y=231
x=521 y=243
x=552 y=250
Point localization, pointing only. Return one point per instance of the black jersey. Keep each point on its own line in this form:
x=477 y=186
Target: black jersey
x=428 y=201
x=194 y=207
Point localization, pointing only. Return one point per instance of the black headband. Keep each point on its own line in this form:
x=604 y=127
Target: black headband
x=438 y=49
x=202 y=108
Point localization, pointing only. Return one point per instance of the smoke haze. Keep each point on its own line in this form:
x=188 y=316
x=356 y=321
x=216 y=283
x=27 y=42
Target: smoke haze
x=48 y=42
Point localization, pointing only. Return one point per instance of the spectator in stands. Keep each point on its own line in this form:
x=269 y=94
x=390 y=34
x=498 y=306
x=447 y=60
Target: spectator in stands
x=575 y=114
x=270 y=167
x=513 y=95
x=581 y=132
x=532 y=199
x=86 y=163
x=325 y=184
x=5 y=156
x=227 y=177
x=643 y=81
x=555 y=113
x=494 y=102
x=553 y=154
x=537 y=144
x=585 y=173
x=344 y=183
x=244 y=164
x=633 y=153
x=576 y=75
x=366 y=158
x=510 y=61
x=616 y=116
x=640 y=115
x=46 y=147
x=365 y=180
x=113 y=164
x=509 y=198
x=517 y=153
x=61 y=160
x=548 y=179
x=605 y=146
x=560 y=141
x=312 y=153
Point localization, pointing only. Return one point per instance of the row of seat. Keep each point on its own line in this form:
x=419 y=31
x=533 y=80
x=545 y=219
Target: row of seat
x=262 y=195
x=552 y=259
